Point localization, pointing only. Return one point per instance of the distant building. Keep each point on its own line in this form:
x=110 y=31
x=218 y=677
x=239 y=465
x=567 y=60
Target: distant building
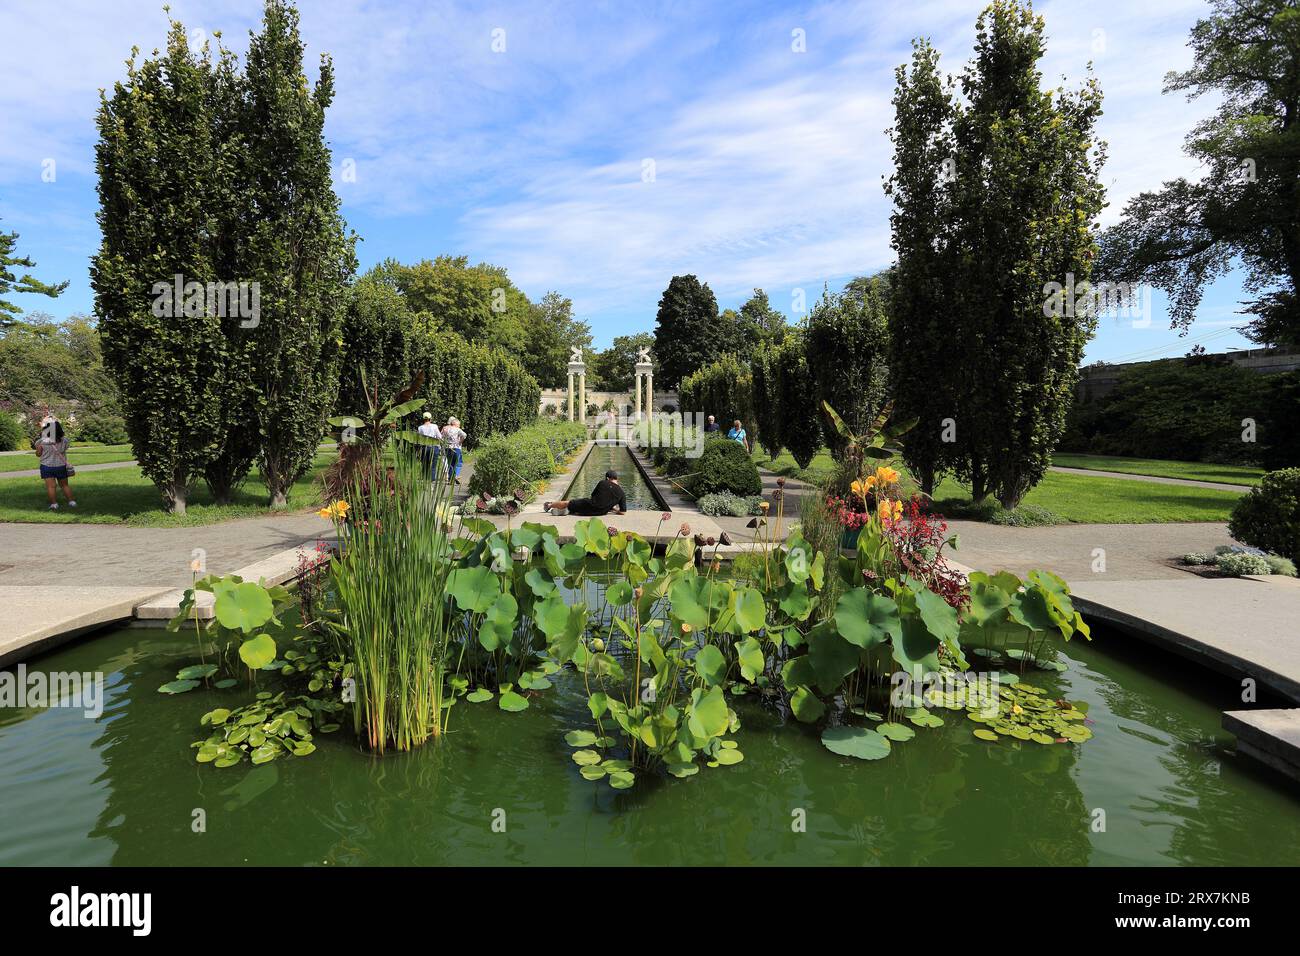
x=1098 y=380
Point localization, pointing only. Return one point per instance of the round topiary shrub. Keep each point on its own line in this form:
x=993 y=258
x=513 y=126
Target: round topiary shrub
x=725 y=465
x=1269 y=517
x=12 y=436
x=500 y=469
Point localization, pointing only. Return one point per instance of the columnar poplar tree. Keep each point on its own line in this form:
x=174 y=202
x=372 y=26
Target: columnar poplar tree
x=1026 y=198
x=847 y=340
x=766 y=389
x=801 y=429
x=688 y=334
x=1018 y=215
x=296 y=246
x=164 y=179
x=920 y=385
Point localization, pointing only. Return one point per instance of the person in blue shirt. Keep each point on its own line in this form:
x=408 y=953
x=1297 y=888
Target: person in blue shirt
x=737 y=433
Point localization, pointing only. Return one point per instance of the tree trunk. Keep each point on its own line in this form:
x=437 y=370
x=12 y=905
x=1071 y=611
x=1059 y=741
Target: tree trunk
x=279 y=500
x=176 y=495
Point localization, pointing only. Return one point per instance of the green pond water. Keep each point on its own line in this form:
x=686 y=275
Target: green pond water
x=123 y=788
x=640 y=496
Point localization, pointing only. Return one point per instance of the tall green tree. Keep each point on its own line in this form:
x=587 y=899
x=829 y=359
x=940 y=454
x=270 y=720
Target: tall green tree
x=1021 y=226
x=920 y=333
x=724 y=389
x=616 y=366
x=551 y=331
x=296 y=246
x=847 y=341
x=166 y=188
x=11 y=281
x=765 y=372
x=688 y=334
x=801 y=421
x=1245 y=207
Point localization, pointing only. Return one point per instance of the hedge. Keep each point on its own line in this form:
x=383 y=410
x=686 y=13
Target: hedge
x=513 y=465
x=724 y=389
x=486 y=388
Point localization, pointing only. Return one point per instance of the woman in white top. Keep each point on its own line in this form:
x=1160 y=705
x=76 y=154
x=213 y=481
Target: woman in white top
x=430 y=453
x=52 y=447
x=454 y=438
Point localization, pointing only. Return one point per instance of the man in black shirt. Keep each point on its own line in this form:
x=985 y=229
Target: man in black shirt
x=712 y=425
x=607 y=496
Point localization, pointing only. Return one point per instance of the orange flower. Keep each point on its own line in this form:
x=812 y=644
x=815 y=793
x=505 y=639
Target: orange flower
x=886 y=475
x=861 y=486
x=889 y=511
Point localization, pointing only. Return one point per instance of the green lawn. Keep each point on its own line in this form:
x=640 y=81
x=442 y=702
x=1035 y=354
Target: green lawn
x=820 y=467
x=77 y=454
x=125 y=496
x=1084 y=499
x=1195 y=471
x=1090 y=500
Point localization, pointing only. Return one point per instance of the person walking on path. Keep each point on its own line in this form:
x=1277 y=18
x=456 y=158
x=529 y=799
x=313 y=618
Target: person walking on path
x=712 y=426
x=430 y=453
x=737 y=433
x=454 y=436
x=607 y=496
x=52 y=447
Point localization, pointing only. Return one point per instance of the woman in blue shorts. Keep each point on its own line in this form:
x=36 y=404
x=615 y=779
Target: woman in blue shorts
x=52 y=446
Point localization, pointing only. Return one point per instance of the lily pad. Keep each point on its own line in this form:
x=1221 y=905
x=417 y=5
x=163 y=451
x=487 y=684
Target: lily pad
x=860 y=742
x=983 y=734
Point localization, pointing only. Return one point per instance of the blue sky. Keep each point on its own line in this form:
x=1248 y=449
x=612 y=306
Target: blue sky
x=767 y=162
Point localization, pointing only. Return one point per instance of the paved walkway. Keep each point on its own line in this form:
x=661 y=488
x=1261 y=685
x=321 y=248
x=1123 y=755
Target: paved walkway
x=76 y=555
x=102 y=466
x=1155 y=479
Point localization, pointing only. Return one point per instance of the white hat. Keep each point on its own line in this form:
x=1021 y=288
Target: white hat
x=428 y=416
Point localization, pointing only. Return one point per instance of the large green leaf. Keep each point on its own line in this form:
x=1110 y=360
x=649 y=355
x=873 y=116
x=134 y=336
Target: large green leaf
x=473 y=589
x=860 y=742
x=917 y=650
x=832 y=657
x=710 y=664
x=708 y=716
x=794 y=601
x=592 y=536
x=689 y=597
x=750 y=654
x=865 y=619
x=750 y=610
x=242 y=607
x=807 y=706
x=257 y=652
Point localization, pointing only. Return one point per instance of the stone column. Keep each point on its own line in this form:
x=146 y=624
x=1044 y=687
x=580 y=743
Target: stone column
x=578 y=380
x=644 y=376
x=650 y=393
x=638 y=396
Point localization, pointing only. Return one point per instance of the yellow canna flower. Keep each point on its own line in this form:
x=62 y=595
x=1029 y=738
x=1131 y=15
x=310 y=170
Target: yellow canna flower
x=889 y=511
x=861 y=486
x=886 y=475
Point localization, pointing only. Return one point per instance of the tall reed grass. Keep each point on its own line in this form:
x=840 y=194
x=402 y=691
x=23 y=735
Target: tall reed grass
x=394 y=623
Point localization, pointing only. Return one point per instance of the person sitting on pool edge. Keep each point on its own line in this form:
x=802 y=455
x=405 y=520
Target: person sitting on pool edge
x=607 y=496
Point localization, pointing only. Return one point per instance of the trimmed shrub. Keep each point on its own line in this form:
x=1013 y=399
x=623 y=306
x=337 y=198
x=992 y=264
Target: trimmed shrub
x=726 y=466
x=1269 y=517
x=1239 y=564
x=1198 y=558
x=723 y=389
x=12 y=436
x=512 y=465
x=106 y=429
x=725 y=503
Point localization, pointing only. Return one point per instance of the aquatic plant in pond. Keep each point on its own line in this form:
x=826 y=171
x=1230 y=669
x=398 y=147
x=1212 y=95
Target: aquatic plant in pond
x=391 y=620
